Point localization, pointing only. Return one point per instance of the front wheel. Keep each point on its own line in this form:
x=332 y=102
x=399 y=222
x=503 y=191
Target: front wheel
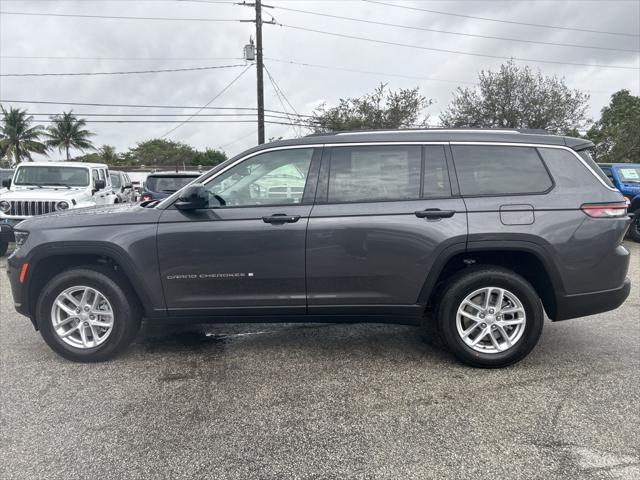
x=87 y=314
x=490 y=317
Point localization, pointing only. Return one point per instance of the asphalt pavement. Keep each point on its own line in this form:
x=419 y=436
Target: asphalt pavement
x=323 y=401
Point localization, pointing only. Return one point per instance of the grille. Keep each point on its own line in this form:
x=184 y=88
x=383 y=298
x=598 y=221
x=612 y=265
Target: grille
x=25 y=208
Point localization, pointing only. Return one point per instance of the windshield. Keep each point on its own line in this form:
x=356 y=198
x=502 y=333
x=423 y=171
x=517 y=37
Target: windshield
x=52 y=176
x=166 y=183
x=115 y=180
x=630 y=174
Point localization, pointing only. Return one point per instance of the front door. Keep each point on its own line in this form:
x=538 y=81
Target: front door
x=245 y=253
x=383 y=215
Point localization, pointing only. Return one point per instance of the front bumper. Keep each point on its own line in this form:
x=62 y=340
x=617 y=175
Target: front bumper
x=18 y=290
x=583 y=304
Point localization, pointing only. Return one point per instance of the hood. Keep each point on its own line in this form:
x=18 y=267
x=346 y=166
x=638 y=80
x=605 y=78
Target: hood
x=121 y=214
x=45 y=194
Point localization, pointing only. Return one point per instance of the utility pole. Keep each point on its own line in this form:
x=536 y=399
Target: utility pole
x=259 y=71
x=259 y=64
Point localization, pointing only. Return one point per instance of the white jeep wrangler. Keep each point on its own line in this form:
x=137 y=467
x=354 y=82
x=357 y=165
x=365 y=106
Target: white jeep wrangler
x=45 y=187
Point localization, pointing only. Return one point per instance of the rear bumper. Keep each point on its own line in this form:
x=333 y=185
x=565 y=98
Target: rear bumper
x=581 y=305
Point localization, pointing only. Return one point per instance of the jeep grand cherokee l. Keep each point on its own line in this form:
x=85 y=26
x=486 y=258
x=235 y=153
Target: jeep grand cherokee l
x=481 y=232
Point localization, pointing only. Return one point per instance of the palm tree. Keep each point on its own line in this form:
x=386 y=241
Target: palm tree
x=67 y=132
x=18 y=139
x=108 y=155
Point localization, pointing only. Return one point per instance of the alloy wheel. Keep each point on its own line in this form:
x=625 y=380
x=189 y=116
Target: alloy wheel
x=82 y=317
x=491 y=320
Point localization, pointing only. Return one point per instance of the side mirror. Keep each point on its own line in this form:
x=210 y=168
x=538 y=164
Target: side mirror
x=99 y=184
x=193 y=197
x=6 y=183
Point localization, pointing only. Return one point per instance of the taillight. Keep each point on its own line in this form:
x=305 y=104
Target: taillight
x=605 y=210
x=145 y=197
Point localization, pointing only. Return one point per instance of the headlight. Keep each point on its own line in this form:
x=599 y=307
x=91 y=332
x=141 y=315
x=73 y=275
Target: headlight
x=62 y=205
x=5 y=206
x=21 y=237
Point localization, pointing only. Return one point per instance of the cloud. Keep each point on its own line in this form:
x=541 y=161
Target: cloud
x=304 y=86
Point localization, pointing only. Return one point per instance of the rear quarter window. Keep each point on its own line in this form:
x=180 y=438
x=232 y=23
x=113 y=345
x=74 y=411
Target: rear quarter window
x=500 y=170
x=587 y=158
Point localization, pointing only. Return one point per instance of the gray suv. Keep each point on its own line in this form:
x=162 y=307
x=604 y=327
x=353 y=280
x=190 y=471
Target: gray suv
x=478 y=231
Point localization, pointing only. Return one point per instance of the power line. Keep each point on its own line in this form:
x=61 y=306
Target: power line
x=120 y=17
x=448 y=32
x=129 y=105
x=66 y=57
x=368 y=72
x=502 y=21
x=250 y=134
x=186 y=121
x=457 y=52
x=93 y=114
x=280 y=94
x=209 y=102
x=72 y=74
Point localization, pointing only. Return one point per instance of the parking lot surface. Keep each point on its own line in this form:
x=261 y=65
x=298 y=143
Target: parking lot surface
x=323 y=401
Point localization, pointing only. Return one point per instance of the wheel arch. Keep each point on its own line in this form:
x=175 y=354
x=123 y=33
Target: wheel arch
x=527 y=259
x=48 y=260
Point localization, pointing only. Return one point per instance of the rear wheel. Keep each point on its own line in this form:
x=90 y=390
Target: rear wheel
x=490 y=317
x=4 y=246
x=86 y=314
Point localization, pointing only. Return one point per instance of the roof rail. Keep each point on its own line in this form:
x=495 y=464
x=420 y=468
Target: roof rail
x=439 y=130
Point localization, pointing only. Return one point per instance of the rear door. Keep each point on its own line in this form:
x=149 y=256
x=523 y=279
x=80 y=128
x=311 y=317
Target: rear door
x=383 y=214
x=245 y=254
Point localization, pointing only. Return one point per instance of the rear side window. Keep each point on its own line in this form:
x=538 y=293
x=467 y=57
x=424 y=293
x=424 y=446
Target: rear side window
x=497 y=170
x=361 y=174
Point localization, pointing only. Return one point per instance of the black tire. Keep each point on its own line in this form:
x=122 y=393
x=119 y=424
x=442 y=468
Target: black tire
x=126 y=313
x=4 y=246
x=467 y=282
x=634 y=228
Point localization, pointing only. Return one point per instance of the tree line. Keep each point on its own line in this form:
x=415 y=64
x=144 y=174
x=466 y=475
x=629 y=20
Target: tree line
x=510 y=97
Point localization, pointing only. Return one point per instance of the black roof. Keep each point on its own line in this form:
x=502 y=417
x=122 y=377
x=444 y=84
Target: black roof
x=436 y=135
x=175 y=174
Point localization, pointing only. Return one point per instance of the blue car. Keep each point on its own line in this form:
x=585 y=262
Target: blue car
x=626 y=178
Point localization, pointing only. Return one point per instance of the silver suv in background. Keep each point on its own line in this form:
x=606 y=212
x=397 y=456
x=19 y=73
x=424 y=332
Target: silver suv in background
x=122 y=187
x=478 y=232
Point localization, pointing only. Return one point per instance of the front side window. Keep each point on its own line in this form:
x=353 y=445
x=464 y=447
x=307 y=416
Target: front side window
x=499 y=170
x=52 y=176
x=272 y=178
x=374 y=173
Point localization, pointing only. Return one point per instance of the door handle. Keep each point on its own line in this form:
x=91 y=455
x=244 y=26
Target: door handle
x=281 y=218
x=435 y=213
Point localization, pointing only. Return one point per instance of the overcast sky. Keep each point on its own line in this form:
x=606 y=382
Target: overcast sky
x=110 y=45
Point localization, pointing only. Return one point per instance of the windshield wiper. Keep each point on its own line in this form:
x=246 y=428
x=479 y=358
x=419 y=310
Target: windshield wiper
x=59 y=185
